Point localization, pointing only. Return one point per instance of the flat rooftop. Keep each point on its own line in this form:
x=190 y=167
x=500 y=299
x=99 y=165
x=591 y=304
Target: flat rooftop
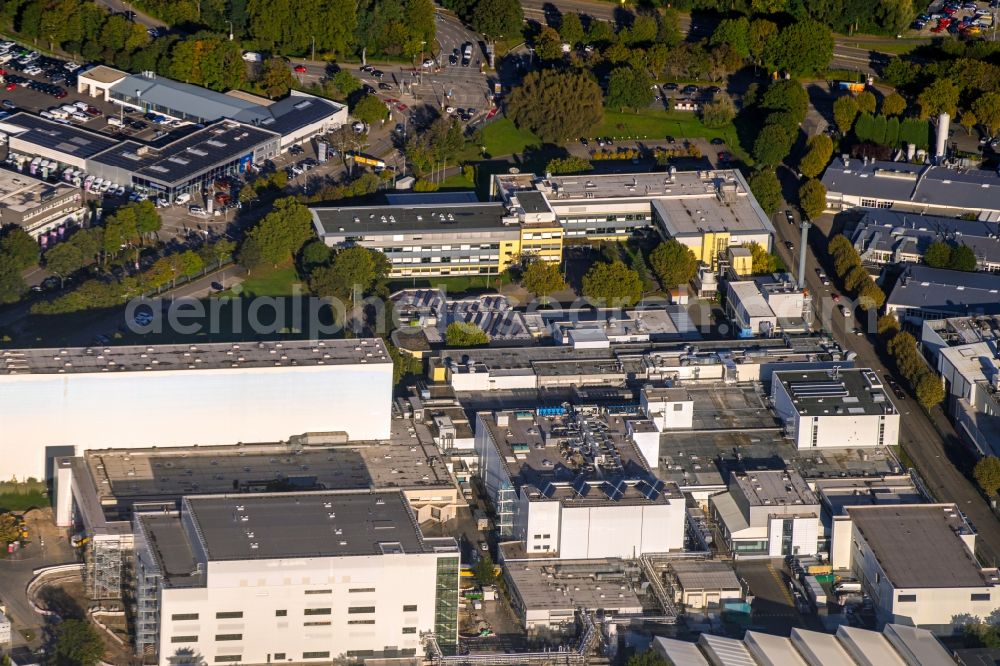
x=774 y=487
x=942 y=560
x=104 y=74
x=409 y=459
x=170 y=546
x=204 y=356
x=966 y=330
x=943 y=290
x=389 y=220
x=20 y=192
x=574 y=457
x=293 y=525
x=75 y=141
x=751 y=298
x=588 y=584
x=179 y=160
x=851 y=392
x=705 y=575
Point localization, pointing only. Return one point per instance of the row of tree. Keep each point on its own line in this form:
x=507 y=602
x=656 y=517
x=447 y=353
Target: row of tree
x=903 y=348
x=18 y=252
x=803 y=47
x=956 y=256
x=854 y=277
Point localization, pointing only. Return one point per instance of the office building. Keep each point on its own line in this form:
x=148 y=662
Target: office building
x=971 y=376
x=58 y=402
x=916 y=563
x=920 y=188
x=768 y=513
x=295 y=118
x=896 y=645
x=300 y=577
x=767 y=306
x=708 y=211
x=893 y=237
x=45 y=210
x=835 y=408
x=922 y=292
x=570 y=483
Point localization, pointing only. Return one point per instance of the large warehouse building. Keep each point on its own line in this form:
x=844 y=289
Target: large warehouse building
x=64 y=401
x=299 y=577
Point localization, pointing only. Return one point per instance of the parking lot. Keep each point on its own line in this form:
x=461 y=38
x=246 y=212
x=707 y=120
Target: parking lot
x=966 y=19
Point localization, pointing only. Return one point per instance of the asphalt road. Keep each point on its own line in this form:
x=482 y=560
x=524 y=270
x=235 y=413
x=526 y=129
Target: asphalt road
x=919 y=437
x=121 y=6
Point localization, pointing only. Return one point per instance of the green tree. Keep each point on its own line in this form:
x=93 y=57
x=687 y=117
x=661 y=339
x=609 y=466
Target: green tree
x=787 y=95
x=438 y=145
x=77 y=644
x=629 y=88
x=968 y=120
x=485 y=571
x=804 y=47
x=870 y=296
x=313 y=255
x=18 y=246
x=276 y=79
x=462 y=334
x=346 y=82
x=568 y=164
x=938 y=255
x=282 y=232
x=548 y=45
x=812 y=198
x=735 y=33
x=10 y=529
x=647 y=658
x=817 y=157
x=845 y=110
x=353 y=273
x=929 y=390
x=718 y=113
x=941 y=96
x=887 y=326
x=761 y=38
x=963 y=258
x=147 y=218
x=612 y=284
x=767 y=190
x=762 y=262
x=772 y=145
x=674 y=263
x=556 y=105
x=223 y=249
x=370 y=110
x=12 y=286
x=543 y=278
x=498 y=19
x=987 y=110
x=571 y=29
x=856 y=278
x=600 y=32
x=894 y=104
x=987 y=474
x=64 y=259
x=866 y=102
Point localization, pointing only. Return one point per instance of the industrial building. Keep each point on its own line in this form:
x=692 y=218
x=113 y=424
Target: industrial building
x=569 y=482
x=893 y=237
x=919 y=188
x=964 y=351
x=295 y=118
x=896 y=645
x=934 y=586
x=43 y=209
x=165 y=168
x=701 y=584
x=768 y=513
x=431 y=311
x=58 y=402
x=708 y=211
x=835 y=408
x=767 y=306
x=300 y=577
x=922 y=293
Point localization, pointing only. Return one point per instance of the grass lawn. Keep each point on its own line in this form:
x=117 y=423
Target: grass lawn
x=893 y=46
x=457 y=181
x=22 y=501
x=453 y=285
x=271 y=281
x=654 y=124
x=502 y=138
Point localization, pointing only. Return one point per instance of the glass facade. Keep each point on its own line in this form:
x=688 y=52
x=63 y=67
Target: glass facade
x=446 y=602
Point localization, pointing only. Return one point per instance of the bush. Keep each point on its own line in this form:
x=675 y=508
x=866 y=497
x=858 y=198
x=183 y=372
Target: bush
x=461 y=334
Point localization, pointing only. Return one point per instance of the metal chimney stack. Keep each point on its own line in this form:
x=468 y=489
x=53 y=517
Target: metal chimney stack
x=804 y=245
x=941 y=145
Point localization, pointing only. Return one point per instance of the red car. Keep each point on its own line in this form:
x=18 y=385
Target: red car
x=301 y=69
x=401 y=107
x=724 y=157
x=11 y=86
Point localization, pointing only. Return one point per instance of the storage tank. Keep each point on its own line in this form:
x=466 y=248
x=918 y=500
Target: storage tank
x=944 y=122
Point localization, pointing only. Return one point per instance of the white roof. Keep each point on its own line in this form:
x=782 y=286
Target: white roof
x=771 y=650
x=868 y=648
x=679 y=653
x=918 y=647
x=820 y=649
x=726 y=651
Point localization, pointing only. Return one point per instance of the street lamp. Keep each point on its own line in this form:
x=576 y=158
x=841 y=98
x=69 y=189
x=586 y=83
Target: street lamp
x=230 y=30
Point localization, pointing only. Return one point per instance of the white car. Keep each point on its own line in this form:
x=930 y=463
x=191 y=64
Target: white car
x=80 y=117
x=449 y=109
x=252 y=56
x=182 y=198
x=196 y=210
x=71 y=66
x=844 y=311
x=33 y=70
x=428 y=63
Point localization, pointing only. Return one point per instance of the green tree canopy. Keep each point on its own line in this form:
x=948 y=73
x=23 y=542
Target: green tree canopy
x=804 y=47
x=629 y=88
x=612 y=284
x=941 y=96
x=346 y=82
x=812 y=198
x=370 y=110
x=718 y=113
x=963 y=258
x=817 y=157
x=568 y=164
x=276 y=78
x=938 y=254
x=313 y=255
x=929 y=390
x=894 y=104
x=77 y=644
x=987 y=110
x=354 y=272
x=571 y=29
x=762 y=261
x=498 y=19
x=866 y=102
x=485 y=571
x=674 y=263
x=845 y=110
x=556 y=105
x=282 y=232
x=987 y=474
x=64 y=259
x=787 y=95
x=734 y=32
x=20 y=248
x=543 y=278
x=772 y=145
x=548 y=45
x=767 y=190
x=10 y=529
x=462 y=334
